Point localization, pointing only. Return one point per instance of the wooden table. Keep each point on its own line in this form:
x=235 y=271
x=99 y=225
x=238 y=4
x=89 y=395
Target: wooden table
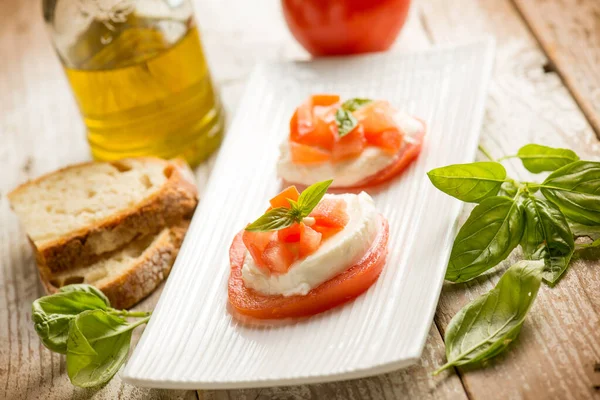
x=545 y=89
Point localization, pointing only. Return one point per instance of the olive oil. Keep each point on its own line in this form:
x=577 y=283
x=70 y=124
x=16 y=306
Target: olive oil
x=143 y=92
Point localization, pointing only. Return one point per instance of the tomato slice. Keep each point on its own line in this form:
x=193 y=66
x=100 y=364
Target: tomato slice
x=403 y=160
x=339 y=289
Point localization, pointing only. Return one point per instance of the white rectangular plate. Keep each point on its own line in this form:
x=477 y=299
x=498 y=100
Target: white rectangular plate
x=193 y=342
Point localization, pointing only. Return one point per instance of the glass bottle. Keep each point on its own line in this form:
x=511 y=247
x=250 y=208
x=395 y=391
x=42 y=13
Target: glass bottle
x=138 y=73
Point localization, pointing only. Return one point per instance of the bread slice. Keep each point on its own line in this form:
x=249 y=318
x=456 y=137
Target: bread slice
x=74 y=215
x=129 y=274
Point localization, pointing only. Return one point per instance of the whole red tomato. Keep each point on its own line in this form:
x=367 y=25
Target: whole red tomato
x=331 y=27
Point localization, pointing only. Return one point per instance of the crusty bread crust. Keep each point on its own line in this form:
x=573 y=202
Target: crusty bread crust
x=175 y=200
x=142 y=277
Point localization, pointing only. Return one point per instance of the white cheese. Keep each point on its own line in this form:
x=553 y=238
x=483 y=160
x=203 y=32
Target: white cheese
x=334 y=256
x=348 y=172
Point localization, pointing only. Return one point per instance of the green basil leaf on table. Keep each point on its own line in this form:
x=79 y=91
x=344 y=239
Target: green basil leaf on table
x=275 y=219
x=345 y=121
x=355 y=104
x=575 y=190
x=491 y=232
x=547 y=237
x=486 y=326
x=52 y=314
x=469 y=182
x=97 y=347
x=579 y=230
x=311 y=196
x=537 y=158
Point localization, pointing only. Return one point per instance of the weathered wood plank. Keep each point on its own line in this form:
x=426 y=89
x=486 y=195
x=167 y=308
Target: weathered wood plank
x=554 y=356
x=40 y=130
x=569 y=32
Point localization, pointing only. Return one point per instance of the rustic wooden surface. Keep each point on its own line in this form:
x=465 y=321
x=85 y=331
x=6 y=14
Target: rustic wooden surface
x=40 y=130
x=569 y=32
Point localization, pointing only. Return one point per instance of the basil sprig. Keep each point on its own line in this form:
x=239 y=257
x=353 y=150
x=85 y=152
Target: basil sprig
x=79 y=322
x=281 y=217
x=345 y=121
x=543 y=218
x=488 y=324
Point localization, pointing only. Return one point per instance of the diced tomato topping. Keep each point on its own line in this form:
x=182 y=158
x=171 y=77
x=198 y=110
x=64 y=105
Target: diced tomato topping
x=404 y=159
x=330 y=213
x=324 y=99
x=314 y=136
x=291 y=234
x=281 y=200
x=277 y=257
x=256 y=243
x=304 y=154
x=278 y=250
x=390 y=140
x=309 y=241
x=330 y=217
x=302 y=120
x=349 y=146
x=377 y=116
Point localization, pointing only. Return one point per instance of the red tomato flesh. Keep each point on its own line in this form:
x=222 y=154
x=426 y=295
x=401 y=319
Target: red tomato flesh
x=339 y=289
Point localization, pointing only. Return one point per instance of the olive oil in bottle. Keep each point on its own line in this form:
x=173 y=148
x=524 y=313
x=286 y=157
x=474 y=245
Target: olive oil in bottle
x=143 y=88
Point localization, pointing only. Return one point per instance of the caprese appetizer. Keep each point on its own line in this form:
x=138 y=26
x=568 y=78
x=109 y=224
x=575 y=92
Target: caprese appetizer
x=357 y=143
x=308 y=253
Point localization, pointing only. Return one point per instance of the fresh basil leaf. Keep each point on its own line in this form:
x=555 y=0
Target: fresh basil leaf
x=311 y=196
x=82 y=287
x=355 y=104
x=345 y=121
x=52 y=314
x=547 y=237
x=537 y=158
x=486 y=326
x=575 y=190
x=97 y=347
x=579 y=230
x=491 y=232
x=273 y=220
x=469 y=182
x=508 y=189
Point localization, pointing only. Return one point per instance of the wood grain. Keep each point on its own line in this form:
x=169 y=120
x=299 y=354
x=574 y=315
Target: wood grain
x=41 y=130
x=569 y=32
x=560 y=341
